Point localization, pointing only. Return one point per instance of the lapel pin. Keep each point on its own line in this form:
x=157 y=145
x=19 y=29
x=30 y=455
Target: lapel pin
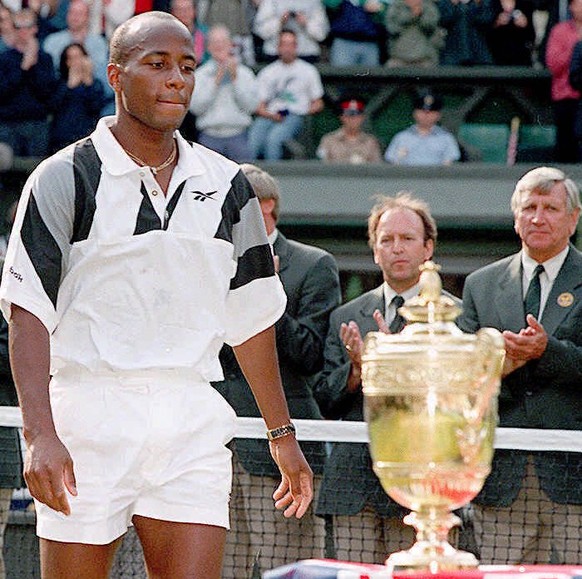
x=565 y=300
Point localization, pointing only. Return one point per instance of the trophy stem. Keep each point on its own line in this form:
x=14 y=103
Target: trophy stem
x=432 y=550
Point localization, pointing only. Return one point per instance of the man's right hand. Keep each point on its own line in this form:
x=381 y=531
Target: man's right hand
x=49 y=474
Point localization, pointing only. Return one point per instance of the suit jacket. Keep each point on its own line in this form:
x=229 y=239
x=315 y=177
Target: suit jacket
x=545 y=393
x=349 y=483
x=311 y=281
x=10 y=455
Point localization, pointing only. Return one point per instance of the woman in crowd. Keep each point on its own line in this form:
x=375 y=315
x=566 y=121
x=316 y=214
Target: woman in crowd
x=78 y=99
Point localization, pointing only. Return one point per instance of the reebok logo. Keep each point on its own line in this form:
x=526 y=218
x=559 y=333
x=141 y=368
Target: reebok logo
x=200 y=196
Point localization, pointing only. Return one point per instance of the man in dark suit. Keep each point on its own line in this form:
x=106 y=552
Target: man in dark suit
x=530 y=508
x=367 y=525
x=311 y=281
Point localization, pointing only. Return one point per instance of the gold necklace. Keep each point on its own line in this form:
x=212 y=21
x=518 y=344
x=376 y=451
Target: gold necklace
x=166 y=163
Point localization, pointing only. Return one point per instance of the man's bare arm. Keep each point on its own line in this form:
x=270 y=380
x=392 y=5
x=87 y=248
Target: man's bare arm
x=257 y=358
x=48 y=466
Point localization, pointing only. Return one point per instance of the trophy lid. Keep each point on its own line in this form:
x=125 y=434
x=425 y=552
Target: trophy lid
x=430 y=305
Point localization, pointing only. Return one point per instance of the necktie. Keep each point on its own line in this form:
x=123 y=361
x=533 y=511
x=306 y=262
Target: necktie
x=531 y=304
x=398 y=322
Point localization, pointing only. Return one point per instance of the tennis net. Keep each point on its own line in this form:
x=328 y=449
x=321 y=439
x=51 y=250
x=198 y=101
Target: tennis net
x=262 y=539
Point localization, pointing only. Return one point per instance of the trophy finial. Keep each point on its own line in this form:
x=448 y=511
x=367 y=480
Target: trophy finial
x=430 y=305
x=430 y=281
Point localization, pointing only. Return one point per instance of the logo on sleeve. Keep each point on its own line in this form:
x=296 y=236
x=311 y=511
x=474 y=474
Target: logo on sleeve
x=15 y=274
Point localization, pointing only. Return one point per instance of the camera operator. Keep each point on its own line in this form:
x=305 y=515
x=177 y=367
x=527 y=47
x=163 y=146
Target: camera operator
x=512 y=36
x=306 y=18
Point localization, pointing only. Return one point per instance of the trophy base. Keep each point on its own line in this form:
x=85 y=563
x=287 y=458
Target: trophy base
x=431 y=557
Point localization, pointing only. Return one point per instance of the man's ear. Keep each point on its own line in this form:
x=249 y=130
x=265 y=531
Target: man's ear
x=429 y=247
x=267 y=206
x=113 y=71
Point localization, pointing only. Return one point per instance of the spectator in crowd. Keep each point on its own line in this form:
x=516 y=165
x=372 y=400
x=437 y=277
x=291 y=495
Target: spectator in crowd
x=77 y=31
x=186 y=12
x=306 y=18
x=158 y=254
x=467 y=23
x=311 y=281
x=27 y=81
x=238 y=17
x=47 y=13
x=512 y=35
x=530 y=509
x=414 y=33
x=289 y=89
x=54 y=19
x=357 y=31
x=350 y=143
x=575 y=80
x=107 y=15
x=227 y=95
x=555 y=11
x=7 y=30
x=10 y=453
x=565 y=98
x=78 y=99
x=425 y=142
x=402 y=235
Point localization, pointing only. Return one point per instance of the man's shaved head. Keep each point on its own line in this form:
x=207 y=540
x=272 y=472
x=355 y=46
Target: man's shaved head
x=127 y=36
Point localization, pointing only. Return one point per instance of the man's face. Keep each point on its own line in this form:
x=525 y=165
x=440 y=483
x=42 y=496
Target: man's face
x=287 y=47
x=25 y=29
x=219 y=46
x=77 y=15
x=576 y=10
x=155 y=85
x=544 y=224
x=352 y=122
x=426 y=119
x=400 y=248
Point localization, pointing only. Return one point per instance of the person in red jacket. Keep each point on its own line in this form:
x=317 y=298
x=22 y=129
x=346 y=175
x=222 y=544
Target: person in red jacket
x=561 y=41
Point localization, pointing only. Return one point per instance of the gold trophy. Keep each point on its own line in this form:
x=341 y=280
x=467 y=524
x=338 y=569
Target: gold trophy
x=430 y=401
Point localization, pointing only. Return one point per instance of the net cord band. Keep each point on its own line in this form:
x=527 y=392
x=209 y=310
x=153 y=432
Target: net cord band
x=347 y=431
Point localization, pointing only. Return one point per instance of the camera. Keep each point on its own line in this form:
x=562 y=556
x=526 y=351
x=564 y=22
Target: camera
x=516 y=14
x=292 y=14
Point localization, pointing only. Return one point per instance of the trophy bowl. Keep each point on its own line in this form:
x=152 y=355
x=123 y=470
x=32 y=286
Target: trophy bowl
x=430 y=402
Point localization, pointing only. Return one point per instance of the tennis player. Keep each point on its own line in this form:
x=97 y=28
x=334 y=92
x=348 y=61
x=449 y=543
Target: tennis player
x=135 y=255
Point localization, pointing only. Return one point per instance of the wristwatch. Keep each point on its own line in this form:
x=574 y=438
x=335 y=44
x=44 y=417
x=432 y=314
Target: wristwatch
x=281 y=431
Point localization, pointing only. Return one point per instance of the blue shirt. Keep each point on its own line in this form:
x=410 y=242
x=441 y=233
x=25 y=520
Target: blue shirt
x=409 y=147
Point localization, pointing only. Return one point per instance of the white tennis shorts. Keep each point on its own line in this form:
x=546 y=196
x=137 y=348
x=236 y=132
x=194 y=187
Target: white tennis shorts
x=148 y=443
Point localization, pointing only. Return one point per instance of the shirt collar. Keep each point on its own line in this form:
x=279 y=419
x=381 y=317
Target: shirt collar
x=389 y=293
x=117 y=162
x=273 y=236
x=551 y=267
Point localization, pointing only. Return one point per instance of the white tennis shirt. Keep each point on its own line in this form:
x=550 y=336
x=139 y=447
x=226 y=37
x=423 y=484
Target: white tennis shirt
x=125 y=278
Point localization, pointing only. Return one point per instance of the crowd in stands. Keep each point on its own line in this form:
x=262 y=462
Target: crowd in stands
x=54 y=53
